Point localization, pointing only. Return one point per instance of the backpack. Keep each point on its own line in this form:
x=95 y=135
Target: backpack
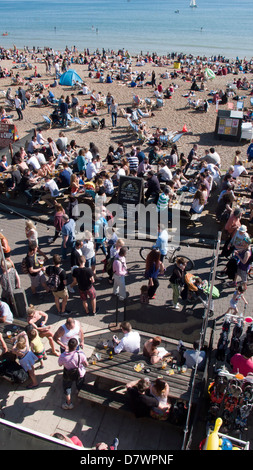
x=24 y=265
x=54 y=280
x=72 y=374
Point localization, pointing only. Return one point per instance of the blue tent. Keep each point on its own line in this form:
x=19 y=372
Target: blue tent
x=69 y=78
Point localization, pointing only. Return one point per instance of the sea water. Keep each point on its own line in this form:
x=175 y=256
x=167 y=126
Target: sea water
x=215 y=27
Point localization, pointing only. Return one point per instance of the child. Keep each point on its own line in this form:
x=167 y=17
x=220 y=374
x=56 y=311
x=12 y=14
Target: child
x=26 y=357
x=238 y=294
x=144 y=295
x=37 y=346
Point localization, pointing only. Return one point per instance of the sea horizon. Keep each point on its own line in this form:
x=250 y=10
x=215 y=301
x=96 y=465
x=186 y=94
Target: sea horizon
x=163 y=26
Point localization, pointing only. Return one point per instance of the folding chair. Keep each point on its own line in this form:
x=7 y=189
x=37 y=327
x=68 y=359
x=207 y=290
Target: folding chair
x=48 y=121
x=239 y=105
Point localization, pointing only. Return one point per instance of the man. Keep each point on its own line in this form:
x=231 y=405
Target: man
x=250 y=151
x=22 y=97
x=91 y=170
x=62 y=142
x=192 y=357
x=239 y=170
x=64 y=113
x=33 y=145
x=70 y=329
x=133 y=160
x=153 y=187
x=36 y=270
x=130 y=341
x=164 y=173
x=68 y=235
x=161 y=243
x=84 y=278
x=18 y=107
x=213 y=157
x=64 y=176
x=74 y=105
x=57 y=282
x=6 y=315
x=243 y=363
x=52 y=191
x=74 y=363
x=192 y=156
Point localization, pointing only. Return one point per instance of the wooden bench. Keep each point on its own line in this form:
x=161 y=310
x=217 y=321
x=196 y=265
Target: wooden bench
x=102 y=397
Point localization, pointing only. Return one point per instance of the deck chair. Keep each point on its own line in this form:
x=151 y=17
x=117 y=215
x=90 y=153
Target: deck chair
x=239 y=105
x=48 y=121
x=133 y=127
x=135 y=117
x=81 y=124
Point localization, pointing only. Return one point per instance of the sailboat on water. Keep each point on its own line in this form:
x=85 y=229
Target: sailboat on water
x=193 y=4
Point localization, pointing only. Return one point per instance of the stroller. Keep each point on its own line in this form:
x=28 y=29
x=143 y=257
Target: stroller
x=196 y=290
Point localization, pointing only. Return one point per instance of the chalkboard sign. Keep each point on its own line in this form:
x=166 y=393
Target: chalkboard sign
x=228 y=125
x=130 y=191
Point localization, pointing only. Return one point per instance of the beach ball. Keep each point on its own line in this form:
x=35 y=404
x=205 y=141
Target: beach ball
x=226 y=444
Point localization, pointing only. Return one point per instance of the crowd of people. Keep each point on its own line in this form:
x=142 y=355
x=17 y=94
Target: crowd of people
x=62 y=167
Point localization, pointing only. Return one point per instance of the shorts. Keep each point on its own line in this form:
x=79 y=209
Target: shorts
x=40 y=355
x=38 y=279
x=243 y=274
x=61 y=294
x=91 y=293
x=233 y=304
x=90 y=262
x=67 y=385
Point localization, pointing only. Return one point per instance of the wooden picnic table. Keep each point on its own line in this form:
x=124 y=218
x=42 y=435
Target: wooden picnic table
x=119 y=369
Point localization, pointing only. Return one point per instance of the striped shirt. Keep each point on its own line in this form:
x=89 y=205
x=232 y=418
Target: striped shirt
x=162 y=202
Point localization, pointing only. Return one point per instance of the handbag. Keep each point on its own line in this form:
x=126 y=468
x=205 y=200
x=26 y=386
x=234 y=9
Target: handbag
x=72 y=374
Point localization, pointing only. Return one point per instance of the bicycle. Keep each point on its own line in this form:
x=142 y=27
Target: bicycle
x=171 y=256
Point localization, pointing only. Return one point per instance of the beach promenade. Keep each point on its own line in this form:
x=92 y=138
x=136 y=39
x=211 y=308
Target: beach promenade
x=40 y=409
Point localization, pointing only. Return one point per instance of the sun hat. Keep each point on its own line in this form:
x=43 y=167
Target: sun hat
x=243 y=228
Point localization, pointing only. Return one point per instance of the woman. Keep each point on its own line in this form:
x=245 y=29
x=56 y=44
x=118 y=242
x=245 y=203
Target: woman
x=153 y=351
x=58 y=222
x=9 y=280
x=32 y=236
x=5 y=246
x=26 y=357
x=38 y=320
x=160 y=390
x=153 y=268
x=197 y=203
x=74 y=184
x=245 y=260
x=177 y=280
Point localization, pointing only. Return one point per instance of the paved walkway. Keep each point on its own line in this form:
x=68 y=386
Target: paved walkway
x=40 y=409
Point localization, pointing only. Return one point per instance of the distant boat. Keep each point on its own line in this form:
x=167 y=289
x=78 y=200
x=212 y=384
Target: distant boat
x=193 y=4
x=176 y=11
x=5 y=34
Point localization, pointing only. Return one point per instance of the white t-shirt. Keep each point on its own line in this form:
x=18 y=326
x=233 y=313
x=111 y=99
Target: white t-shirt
x=53 y=188
x=34 y=162
x=165 y=173
x=88 y=249
x=90 y=170
x=238 y=170
x=5 y=311
x=130 y=342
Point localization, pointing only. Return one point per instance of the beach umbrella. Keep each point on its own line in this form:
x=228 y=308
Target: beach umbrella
x=209 y=73
x=69 y=78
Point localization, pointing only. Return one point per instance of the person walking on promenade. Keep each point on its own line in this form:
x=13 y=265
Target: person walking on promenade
x=177 y=280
